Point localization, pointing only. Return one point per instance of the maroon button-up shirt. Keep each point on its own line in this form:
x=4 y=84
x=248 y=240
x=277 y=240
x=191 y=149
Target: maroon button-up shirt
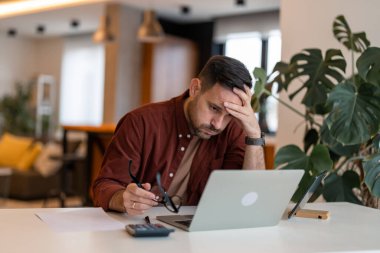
x=156 y=137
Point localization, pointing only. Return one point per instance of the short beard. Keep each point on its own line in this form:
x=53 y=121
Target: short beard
x=197 y=130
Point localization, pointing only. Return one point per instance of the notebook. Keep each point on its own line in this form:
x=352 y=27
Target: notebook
x=240 y=199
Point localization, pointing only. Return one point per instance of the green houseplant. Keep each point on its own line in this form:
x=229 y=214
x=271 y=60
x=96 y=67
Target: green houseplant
x=346 y=142
x=16 y=115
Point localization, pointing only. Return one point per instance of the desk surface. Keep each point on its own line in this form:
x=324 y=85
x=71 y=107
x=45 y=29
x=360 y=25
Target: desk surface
x=349 y=228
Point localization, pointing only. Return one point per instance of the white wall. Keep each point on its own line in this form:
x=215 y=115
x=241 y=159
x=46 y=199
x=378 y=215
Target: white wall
x=308 y=23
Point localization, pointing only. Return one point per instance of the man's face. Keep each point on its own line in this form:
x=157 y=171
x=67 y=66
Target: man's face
x=205 y=111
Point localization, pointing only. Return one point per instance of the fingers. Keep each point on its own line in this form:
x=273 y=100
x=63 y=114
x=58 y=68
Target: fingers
x=236 y=110
x=137 y=200
x=245 y=95
x=244 y=112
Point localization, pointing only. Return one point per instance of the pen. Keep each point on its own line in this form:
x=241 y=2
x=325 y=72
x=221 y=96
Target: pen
x=134 y=179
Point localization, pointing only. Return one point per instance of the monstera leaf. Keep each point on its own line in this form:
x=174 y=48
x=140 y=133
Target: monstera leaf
x=311 y=138
x=261 y=79
x=376 y=143
x=322 y=74
x=357 y=42
x=339 y=188
x=259 y=90
x=356 y=113
x=283 y=73
x=335 y=146
x=368 y=65
x=372 y=174
x=292 y=157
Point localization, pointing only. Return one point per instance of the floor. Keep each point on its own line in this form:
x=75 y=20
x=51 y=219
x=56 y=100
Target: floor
x=50 y=203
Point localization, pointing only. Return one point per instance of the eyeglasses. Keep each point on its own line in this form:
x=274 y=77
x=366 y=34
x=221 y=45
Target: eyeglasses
x=173 y=203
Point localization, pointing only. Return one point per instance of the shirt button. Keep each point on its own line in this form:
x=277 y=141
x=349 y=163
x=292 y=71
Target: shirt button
x=180 y=135
x=188 y=136
x=171 y=174
x=182 y=149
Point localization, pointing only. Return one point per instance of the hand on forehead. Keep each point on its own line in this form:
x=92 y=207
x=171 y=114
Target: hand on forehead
x=234 y=96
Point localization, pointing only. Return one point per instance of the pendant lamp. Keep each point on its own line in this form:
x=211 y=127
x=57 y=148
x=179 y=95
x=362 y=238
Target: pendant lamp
x=103 y=34
x=150 y=30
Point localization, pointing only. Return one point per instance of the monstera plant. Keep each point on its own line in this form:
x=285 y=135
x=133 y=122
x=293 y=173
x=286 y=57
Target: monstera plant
x=346 y=141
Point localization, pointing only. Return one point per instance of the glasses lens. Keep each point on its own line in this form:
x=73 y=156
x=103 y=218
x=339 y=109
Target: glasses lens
x=177 y=201
x=173 y=204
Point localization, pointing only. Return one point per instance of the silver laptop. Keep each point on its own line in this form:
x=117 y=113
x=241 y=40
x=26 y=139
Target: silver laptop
x=240 y=199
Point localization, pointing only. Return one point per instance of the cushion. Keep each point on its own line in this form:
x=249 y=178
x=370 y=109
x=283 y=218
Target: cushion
x=12 y=149
x=44 y=163
x=29 y=156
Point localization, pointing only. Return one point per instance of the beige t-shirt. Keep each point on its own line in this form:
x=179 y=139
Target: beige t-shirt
x=181 y=178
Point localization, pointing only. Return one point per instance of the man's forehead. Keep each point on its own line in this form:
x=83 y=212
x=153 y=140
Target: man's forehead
x=220 y=94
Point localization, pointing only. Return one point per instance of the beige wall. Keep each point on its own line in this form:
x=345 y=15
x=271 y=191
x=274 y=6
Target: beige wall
x=308 y=23
x=129 y=63
x=123 y=63
x=49 y=53
x=22 y=59
x=17 y=61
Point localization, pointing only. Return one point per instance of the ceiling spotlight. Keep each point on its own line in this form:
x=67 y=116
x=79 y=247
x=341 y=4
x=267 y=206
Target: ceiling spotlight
x=12 y=32
x=185 y=9
x=74 y=23
x=40 y=29
x=240 y=2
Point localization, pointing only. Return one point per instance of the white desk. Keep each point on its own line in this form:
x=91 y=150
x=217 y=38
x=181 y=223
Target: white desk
x=349 y=228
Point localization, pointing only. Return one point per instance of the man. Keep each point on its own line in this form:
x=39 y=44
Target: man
x=211 y=126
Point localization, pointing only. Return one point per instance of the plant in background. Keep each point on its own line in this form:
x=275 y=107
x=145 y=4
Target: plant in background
x=15 y=112
x=342 y=117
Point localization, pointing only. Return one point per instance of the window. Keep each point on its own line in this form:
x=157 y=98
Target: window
x=82 y=88
x=245 y=47
x=254 y=50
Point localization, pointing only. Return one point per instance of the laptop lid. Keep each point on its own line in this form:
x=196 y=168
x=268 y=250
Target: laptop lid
x=241 y=199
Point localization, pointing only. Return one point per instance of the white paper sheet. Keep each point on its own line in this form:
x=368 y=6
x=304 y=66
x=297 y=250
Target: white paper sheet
x=83 y=219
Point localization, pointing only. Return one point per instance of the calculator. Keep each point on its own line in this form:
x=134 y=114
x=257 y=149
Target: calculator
x=148 y=230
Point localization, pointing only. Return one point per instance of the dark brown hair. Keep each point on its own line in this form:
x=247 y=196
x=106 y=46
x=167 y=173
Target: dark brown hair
x=226 y=71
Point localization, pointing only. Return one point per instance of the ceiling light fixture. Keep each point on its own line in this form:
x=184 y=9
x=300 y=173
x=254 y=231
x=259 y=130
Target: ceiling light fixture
x=74 y=23
x=103 y=34
x=150 y=30
x=185 y=9
x=240 y=2
x=12 y=32
x=40 y=29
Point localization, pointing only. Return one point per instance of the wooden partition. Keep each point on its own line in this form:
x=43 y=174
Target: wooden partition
x=167 y=68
